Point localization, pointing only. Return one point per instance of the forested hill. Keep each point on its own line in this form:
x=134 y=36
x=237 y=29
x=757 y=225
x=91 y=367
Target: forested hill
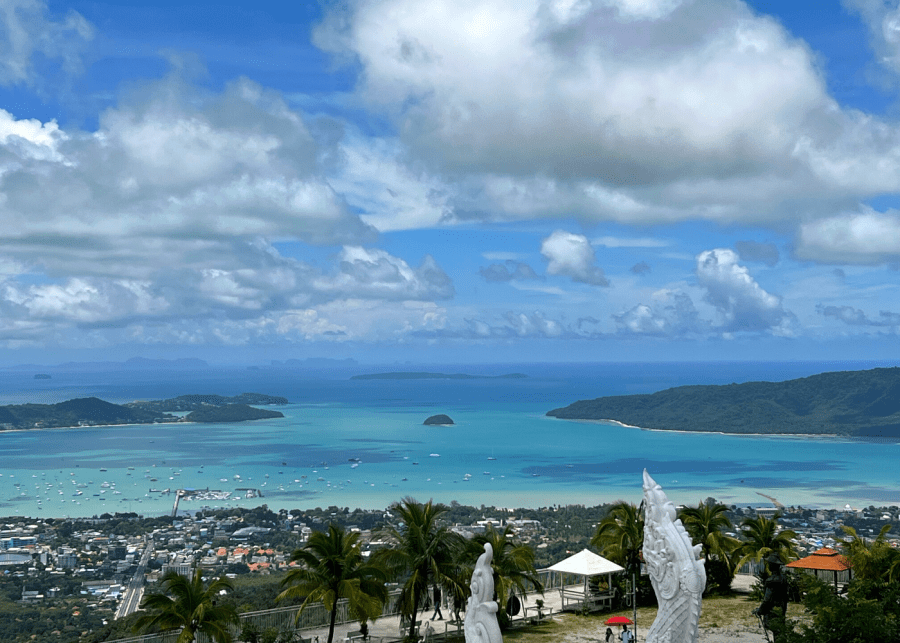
x=88 y=411
x=851 y=403
x=91 y=411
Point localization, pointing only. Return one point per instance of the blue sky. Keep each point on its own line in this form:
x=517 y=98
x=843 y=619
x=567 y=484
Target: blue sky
x=446 y=181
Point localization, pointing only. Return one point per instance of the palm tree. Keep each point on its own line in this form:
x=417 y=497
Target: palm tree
x=705 y=523
x=873 y=560
x=620 y=536
x=191 y=606
x=422 y=551
x=513 y=564
x=761 y=537
x=332 y=567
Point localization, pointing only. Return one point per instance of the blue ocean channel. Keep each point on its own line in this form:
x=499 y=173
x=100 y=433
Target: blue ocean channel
x=362 y=443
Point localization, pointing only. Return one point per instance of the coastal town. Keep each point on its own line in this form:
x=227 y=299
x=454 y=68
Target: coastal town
x=97 y=569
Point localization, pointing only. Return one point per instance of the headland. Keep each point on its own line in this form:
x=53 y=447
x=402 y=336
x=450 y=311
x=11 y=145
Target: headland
x=862 y=404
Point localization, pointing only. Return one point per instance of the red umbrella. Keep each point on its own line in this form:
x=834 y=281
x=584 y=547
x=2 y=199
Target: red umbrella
x=618 y=620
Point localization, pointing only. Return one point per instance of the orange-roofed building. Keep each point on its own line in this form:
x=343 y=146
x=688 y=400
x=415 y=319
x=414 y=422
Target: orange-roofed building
x=221 y=552
x=826 y=560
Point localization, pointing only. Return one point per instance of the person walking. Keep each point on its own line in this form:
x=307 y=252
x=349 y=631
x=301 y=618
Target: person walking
x=626 y=636
x=610 y=636
x=437 y=604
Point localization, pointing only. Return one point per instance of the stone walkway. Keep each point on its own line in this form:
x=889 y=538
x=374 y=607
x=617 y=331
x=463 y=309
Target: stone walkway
x=387 y=628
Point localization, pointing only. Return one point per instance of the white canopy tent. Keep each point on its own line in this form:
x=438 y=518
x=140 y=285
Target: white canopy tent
x=587 y=564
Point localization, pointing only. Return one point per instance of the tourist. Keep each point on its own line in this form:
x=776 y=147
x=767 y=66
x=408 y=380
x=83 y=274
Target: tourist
x=437 y=604
x=626 y=636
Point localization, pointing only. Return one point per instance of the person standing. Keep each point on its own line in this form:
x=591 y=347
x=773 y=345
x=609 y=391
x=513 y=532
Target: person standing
x=609 y=635
x=626 y=636
x=437 y=604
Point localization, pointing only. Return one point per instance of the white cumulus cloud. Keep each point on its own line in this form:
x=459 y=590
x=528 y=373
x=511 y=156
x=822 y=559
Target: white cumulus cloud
x=740 y=301
x=866 y=237
x=571 y=255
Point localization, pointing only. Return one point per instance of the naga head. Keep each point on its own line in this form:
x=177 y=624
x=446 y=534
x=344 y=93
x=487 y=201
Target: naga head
x=656 y=503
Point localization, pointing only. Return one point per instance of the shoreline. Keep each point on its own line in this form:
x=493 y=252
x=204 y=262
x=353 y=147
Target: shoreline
x=91 y=426
x=830 y=436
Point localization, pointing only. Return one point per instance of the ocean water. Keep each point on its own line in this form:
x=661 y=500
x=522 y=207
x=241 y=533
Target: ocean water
x=362 y=443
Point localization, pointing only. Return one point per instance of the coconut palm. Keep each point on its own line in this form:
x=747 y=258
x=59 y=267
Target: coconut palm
x=186 y=603
x=512 y=563
x=705 y=524
x=423 y=553
x=620 y=536
x=332 y=567
x=762 y=536
x=873 y=560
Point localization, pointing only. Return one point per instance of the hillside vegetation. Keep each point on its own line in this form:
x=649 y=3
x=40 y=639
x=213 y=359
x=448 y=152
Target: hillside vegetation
x=82 y=411
x=850 y=403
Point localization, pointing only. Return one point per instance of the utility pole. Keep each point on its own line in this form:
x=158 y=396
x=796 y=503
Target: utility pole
x=634 y=604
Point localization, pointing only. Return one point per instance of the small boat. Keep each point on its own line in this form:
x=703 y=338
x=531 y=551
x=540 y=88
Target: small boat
x=434 y=455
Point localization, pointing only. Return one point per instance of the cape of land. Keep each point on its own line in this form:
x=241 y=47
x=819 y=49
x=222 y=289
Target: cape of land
x=200 y=402
x=92 y=411
x=86 y=411
x=435 y=376
x=231 y=413
x=846 y=403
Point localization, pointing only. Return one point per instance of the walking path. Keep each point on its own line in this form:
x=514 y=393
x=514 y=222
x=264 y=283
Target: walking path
x=387 y=628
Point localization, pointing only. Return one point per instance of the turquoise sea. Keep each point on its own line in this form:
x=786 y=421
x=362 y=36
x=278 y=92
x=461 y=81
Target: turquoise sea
x=361 y=443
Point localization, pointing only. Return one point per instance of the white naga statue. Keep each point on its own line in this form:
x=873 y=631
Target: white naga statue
x=677 y=574
x=481 y=611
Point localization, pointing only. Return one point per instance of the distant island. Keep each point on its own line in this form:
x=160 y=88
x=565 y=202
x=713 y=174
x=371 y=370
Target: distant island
x=846 y=403
x=438 y=420
x=403 y=375
x=92 y=411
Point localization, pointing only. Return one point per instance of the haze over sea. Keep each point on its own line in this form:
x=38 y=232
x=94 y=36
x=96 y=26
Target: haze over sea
x=361 y=443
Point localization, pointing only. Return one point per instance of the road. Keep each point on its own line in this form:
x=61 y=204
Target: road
x=135 y=590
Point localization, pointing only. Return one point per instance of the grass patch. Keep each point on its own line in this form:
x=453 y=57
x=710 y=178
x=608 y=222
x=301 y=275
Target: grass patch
x=721 y=612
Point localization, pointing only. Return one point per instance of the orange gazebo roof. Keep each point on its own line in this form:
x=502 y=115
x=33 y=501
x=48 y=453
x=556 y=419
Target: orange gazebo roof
x=825 y=559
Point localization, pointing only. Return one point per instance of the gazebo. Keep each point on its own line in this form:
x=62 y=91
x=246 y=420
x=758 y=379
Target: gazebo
x=586 y=564
x=824 y=560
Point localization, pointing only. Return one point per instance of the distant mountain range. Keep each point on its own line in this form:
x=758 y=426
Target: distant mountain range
x=92 y=411
x=848 y=403
x=133 y=364
x=406 y=375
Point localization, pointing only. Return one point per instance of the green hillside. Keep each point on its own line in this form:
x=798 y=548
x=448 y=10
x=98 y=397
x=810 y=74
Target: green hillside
x=852 y=403
x=231 y=413
x=83 y=411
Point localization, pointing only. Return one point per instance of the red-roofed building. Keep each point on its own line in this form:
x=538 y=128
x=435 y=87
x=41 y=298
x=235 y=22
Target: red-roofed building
x=826 y=560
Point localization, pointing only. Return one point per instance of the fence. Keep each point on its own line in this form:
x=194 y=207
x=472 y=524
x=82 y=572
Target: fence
x=281 y=619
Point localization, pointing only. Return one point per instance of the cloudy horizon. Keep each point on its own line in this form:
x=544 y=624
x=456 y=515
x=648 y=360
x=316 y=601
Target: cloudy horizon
x=492 y=180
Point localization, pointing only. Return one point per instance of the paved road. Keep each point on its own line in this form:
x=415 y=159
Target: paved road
x=135 y=590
